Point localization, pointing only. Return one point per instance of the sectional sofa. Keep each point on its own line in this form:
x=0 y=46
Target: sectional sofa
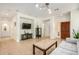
x=67 y=47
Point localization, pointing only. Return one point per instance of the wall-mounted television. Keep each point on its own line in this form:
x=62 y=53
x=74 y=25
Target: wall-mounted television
x=26 y=26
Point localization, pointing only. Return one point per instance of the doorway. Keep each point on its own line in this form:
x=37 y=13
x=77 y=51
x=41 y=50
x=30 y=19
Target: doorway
x=47 y=28
x=65 y=30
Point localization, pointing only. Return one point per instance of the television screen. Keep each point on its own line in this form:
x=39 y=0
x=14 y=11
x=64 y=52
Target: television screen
x=26 y=26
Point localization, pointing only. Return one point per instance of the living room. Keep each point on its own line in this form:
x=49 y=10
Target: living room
x=19 y=25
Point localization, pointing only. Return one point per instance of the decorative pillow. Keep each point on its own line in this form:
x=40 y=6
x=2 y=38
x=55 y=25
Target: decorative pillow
x=61 y=51
x=73 y=41
x=69 y=46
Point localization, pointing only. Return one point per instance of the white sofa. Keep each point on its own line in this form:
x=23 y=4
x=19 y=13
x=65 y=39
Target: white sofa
x=68 y=47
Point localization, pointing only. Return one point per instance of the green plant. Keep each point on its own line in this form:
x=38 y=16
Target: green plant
x=76 y=35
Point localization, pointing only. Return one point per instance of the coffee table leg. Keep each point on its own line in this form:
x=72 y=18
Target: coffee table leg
x=56 y=44
x=33 y=49
x=44 y=52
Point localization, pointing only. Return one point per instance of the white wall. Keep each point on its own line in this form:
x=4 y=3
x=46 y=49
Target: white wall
x=47 y=28
x=28 y=19
x=13 y=28
x=7 y=32
x=54 y=24
x=52 y=27
x=58 y=19
x=74 y=21
x=40 y=23
x=9 y=26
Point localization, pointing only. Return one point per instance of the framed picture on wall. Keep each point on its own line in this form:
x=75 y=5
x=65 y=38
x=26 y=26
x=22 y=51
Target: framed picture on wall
x=5 y=27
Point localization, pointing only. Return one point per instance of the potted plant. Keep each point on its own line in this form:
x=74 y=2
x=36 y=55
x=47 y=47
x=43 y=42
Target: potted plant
x=76 y=34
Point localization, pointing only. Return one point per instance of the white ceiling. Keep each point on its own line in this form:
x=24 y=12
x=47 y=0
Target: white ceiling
x=8 y=9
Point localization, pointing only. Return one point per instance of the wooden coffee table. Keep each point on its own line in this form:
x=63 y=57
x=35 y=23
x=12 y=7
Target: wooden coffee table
x=44 y=45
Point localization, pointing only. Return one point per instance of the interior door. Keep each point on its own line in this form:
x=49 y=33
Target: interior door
x=65 y=30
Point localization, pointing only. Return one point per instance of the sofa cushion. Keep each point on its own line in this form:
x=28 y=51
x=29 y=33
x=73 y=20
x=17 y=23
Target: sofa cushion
x=69 y=46
x=61 y=51
x=73 y=41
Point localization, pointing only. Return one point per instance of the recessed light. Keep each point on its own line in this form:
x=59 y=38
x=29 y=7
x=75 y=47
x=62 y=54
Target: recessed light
x=37 y=5
x=49 y=10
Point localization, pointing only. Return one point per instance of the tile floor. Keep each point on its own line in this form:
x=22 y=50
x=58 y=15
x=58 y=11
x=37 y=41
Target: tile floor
x=9 y=46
